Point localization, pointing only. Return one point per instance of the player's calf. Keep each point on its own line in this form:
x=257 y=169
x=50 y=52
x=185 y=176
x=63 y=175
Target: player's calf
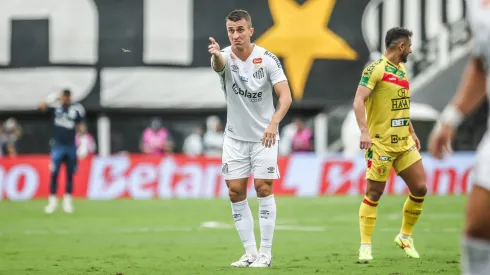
x=267 y=220
x=244 y=222
x=475 y=257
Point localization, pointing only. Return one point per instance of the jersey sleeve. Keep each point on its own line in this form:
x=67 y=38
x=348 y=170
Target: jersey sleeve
x=225 y=55
x=273 y=68
x=370 y=76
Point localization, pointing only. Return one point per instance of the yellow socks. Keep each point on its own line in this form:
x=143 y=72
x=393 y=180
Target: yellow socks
x=411 y=213
x=367 y=219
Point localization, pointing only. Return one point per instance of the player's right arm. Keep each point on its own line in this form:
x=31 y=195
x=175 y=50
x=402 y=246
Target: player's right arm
x=49 y=101
x=218 y=61
x=368 y=81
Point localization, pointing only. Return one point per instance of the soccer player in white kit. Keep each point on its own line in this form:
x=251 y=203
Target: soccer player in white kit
x=475 y=254
x=249 y=74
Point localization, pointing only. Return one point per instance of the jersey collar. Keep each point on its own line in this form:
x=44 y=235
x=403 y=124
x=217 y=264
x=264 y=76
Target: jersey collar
x=389 y=62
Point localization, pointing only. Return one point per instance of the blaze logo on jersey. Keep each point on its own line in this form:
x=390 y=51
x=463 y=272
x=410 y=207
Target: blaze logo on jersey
x=254 y=97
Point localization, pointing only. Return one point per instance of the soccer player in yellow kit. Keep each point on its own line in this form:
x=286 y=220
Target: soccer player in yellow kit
x=389 y=140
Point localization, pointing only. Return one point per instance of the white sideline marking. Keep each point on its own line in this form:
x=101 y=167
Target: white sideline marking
x=115 y=231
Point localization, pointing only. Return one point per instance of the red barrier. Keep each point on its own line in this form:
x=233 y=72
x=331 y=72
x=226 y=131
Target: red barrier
x=178 y=176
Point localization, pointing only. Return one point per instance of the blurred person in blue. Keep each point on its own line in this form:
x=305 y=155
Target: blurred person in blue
x=67 y=117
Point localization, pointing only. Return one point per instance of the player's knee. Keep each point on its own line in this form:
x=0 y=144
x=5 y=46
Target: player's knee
x=477 y=230
x=236 y=195
x=264 y=189
x=374 y=195
x=420 y=190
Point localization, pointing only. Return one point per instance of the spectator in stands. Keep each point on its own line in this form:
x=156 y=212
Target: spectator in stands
x=213 y=138
x=85 y=142
x=13 y=133
x=3 y=143
x=303 y=138
x=193 y=144
x=156 y=139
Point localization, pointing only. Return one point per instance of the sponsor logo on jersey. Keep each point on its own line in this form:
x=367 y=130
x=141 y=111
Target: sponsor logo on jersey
x=400 y=122
x=395 y=138
x=398 y=104
x=259 y=74
x=243 y=78
x=257 y=61
x=254 y=97
x=274 y=57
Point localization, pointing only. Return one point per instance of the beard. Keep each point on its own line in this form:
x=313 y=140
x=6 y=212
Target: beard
x=404 y=58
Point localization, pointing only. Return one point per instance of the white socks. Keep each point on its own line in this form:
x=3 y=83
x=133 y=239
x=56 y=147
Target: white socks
x=267 y=221
x=475 y=256
x=245 y=224
x=52 y=200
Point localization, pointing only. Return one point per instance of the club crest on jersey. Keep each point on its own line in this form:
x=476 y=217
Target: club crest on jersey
x=257 y=61
x=259 y=74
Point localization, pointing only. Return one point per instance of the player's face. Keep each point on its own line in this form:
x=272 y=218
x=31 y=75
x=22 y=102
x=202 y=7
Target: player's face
x=239 y=33
x=66 y=99
x=406 y=50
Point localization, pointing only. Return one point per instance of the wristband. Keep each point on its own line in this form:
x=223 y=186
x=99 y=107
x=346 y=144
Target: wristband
x=451 y=115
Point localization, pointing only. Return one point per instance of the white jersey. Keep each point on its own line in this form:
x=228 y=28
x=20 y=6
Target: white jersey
x=248 y=87
x=479 y=19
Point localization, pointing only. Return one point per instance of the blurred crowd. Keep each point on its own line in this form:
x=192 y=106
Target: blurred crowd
x=207 y=140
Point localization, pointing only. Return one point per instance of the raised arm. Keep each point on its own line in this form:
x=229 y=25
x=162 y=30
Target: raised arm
x=218 y=61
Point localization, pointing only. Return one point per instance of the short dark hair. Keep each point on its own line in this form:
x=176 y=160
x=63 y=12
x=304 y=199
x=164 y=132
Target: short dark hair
x=395 y=34
x=238 y=15
x=66 y=92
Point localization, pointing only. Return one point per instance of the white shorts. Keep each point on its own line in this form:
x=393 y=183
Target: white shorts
x=242 y=158
x=481 y=169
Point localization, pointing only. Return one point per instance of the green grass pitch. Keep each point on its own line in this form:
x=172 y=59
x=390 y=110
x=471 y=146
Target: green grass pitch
x=313 y=235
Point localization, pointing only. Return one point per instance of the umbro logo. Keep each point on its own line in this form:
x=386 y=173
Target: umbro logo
x=271 y=169
x=234 y=68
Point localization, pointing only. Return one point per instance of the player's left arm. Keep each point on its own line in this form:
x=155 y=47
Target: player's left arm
x=284 y=93
x=414 y=136
x=80 y=119
x=281 y=88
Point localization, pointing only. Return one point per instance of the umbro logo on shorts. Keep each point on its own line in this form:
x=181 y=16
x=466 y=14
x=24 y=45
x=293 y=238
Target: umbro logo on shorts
x=271 y=169
x=224 y=168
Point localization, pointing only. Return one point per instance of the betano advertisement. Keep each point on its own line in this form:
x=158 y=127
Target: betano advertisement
x=178 y=176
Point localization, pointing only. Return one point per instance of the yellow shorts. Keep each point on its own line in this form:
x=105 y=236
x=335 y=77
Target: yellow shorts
x=380 y=162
